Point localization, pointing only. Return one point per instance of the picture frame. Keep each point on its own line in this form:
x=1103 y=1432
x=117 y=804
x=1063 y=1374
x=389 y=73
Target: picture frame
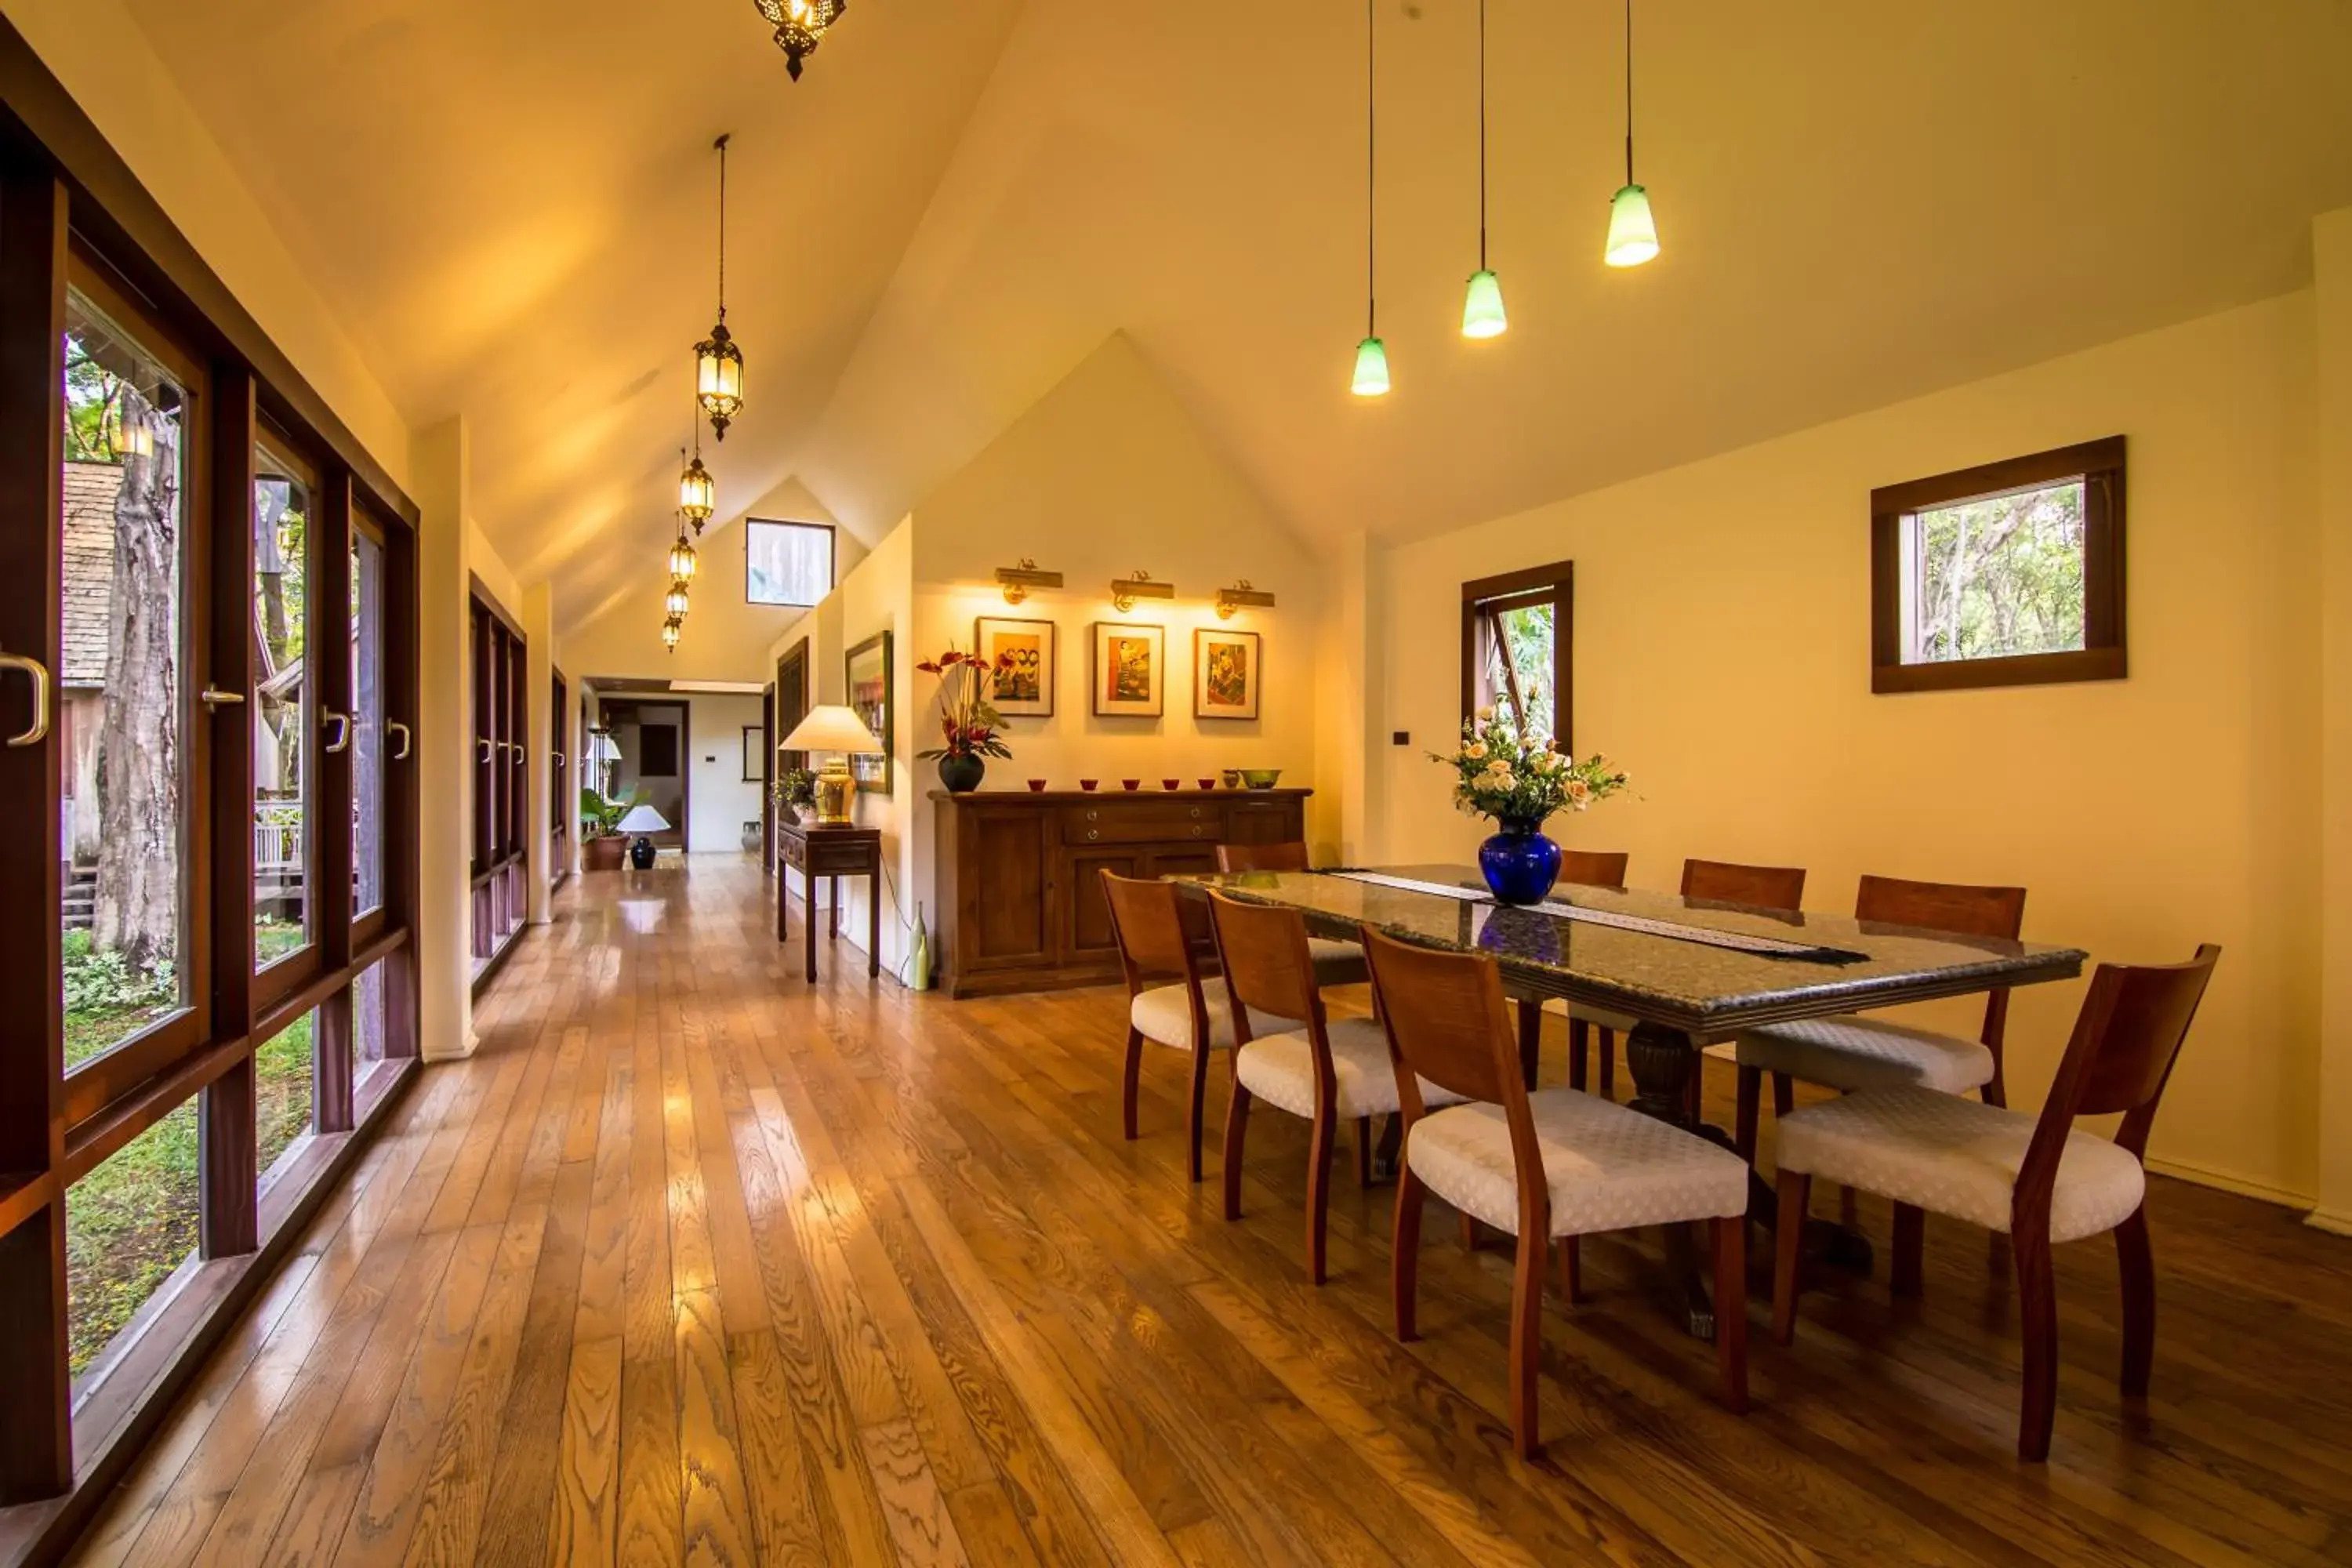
x=1025 y=690
x=1228 y=670
x=866 y=676
x=755 y=754
x=1131 y=670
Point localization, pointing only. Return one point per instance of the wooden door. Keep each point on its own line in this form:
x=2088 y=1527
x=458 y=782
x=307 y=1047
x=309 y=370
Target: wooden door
x=1005 y=920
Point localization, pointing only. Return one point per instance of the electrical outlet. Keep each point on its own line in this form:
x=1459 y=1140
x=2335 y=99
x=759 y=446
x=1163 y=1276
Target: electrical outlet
x=1401 y=738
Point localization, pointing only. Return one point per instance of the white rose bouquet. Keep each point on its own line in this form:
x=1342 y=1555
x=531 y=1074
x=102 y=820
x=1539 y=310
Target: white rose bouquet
x=1520 y=781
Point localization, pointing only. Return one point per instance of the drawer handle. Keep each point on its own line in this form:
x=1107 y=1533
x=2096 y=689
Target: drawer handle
x=1092 y=836
x=1196 y=832
x=1092 y=815
x=1196 y=811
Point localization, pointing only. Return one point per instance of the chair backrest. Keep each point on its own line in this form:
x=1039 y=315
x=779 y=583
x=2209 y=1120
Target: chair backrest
x=1232 y=858
x=1942 y=906
x=1758 y=886
x=1446 y=1020
x=1263 y=950
x=1156 y=932
x=1593 y=867
x=2126 y=1041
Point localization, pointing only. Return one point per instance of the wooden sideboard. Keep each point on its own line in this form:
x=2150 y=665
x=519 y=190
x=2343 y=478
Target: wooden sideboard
x=1020 y=875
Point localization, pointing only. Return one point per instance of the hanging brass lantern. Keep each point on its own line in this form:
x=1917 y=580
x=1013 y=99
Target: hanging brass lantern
x=674 y=600
x=800 y=26
x=697 y=493
x=682 y=562
x=718 y=363
x=670 y=628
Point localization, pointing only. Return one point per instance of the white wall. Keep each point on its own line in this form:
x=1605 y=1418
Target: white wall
x=720 y=801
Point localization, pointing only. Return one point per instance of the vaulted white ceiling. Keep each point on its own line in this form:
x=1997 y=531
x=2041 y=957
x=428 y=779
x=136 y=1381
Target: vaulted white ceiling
x=510 y=205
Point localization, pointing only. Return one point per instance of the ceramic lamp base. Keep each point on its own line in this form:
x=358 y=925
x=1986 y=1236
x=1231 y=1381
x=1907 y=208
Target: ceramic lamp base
x=834 y=791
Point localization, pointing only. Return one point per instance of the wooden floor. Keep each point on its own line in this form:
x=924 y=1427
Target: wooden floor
x=693 y=1260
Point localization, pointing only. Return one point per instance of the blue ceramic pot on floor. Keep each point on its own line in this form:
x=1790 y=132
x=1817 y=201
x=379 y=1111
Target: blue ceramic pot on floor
x=1520 y=864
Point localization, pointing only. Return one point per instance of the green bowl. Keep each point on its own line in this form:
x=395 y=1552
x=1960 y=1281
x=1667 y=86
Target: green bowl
x=1260 y=778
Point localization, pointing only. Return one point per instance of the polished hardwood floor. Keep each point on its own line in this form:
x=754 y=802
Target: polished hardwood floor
x=695 y=1261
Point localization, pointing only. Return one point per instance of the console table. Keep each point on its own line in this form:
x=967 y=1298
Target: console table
x=832 y=853
x=1020 y=874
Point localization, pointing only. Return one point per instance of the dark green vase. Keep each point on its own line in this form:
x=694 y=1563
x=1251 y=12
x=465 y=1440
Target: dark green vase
x=961 y=774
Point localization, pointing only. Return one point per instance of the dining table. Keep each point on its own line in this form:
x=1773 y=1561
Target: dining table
x=1688 y=972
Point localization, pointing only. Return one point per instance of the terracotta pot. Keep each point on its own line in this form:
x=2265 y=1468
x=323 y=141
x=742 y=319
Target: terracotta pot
x=602 y=854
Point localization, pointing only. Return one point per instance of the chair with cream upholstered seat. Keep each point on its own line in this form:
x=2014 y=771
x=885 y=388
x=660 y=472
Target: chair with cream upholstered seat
x=1548 y=1166
x=2035 y=1178
x=1850 y=1053
x=1330 y=1071
x=1161 y=939
x=1336 y=962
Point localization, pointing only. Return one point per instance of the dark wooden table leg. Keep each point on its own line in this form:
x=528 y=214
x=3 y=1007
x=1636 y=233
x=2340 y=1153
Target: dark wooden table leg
x=808 y=884
x=1662 y=1061
x=1385 y=1158
x=873 y=926
x=832 y=909
x=1530 y=1038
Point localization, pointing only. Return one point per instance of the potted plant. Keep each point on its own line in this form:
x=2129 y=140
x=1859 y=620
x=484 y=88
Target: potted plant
x=796 y=792
x=600 y=832
x=1521 y=783
x=968 y=718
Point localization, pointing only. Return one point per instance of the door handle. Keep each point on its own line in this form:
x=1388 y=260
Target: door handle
x=343 y=740
x=213 y=697
x=392 y=726
x=486 y=748
x=38 y=730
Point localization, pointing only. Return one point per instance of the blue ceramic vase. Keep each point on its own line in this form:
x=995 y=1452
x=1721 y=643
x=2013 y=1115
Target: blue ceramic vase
x=1520 y=864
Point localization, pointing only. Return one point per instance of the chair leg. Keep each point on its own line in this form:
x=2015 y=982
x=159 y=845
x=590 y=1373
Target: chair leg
x=2138 y=1261
x=1318 y=1192
x=1608 y=1064
x=1527 y=1342
x=1910 y=1248
x=1995 y=1092
x=1695 y=1091
x=1192 y=1113
x=1363 y=1151
x=1405 y=1253
x=1731 y=1311
x=1134 y=1075
x=1236 y=1127
x=1469 y=1233
x=1571 y=1269
x=1580 y=1041
x=1751 y=1107
x=1796 y=1198
x=2037 y=1295
x=1784 y=1095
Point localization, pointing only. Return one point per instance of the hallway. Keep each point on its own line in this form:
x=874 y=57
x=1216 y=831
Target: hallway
x=692 y=1262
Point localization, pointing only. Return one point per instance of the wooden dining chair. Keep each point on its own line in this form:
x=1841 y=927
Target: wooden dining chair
x=1161 y=935
x=1848 y=1052
x=1546 y=1167
x=2035 y=1177
x=1592 y=868
x=1779 y=888
x=1336 y=963
x=1332 y=1070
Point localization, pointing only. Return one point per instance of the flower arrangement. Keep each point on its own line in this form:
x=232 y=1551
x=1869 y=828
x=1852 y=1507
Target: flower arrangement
x=797 y=788
x=1521 y=782
x=968 y=716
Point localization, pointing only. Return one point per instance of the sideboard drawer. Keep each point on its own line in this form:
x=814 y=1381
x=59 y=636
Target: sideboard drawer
x=1140 y=822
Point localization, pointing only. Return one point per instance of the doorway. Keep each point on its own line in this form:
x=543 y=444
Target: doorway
x=653 y=738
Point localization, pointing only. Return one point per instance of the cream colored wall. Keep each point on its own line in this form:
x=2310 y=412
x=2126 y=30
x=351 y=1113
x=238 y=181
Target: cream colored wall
x=722 y=801
x=2331 y=237
x=1722 y=649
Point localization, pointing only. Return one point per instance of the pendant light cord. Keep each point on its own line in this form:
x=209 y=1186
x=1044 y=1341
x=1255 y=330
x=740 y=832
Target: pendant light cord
x=722 y=221
x=1629 y=90
x=1371 y=168
x=1482 y=135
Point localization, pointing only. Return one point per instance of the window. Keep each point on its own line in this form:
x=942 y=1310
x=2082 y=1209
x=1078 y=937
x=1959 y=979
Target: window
x=368 y=714
x=2008 y=574
x=1518 y=636
x=786 y=563
x=283 y=699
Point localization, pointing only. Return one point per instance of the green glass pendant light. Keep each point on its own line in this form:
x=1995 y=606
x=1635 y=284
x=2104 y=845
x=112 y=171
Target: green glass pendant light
x=1372 y=377
x=1633 y=233
x=1482 y=306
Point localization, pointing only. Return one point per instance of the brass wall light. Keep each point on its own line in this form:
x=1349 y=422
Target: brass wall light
x=1125 y=590
x=1241 y=596
x=1016 y=581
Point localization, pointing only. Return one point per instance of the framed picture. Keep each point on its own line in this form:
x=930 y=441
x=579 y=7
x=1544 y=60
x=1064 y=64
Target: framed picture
x=1226 y=669
x=1025 y=689
x=866 y=671
x=1131 y=670
x=755 y=754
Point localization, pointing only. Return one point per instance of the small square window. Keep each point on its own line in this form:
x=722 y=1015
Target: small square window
x=2004 y=575
x=788 y=564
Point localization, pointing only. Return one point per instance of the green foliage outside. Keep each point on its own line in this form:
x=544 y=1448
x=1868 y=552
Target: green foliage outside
x=1526 y=638
x=1998 y=578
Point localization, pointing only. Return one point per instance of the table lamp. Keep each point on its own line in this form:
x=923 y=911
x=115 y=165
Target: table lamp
x=642 y=820
x=840 y=732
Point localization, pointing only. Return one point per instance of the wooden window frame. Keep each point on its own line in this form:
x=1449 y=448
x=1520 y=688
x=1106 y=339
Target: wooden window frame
x=832 y=558
x=1485 y=598
x=2101 y=465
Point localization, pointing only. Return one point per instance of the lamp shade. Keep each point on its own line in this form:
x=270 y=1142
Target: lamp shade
x=602 y=748
x=1633 y=234
x=1371 y=378
x=644 y=819
x=1482 y=308
x=833 y=728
